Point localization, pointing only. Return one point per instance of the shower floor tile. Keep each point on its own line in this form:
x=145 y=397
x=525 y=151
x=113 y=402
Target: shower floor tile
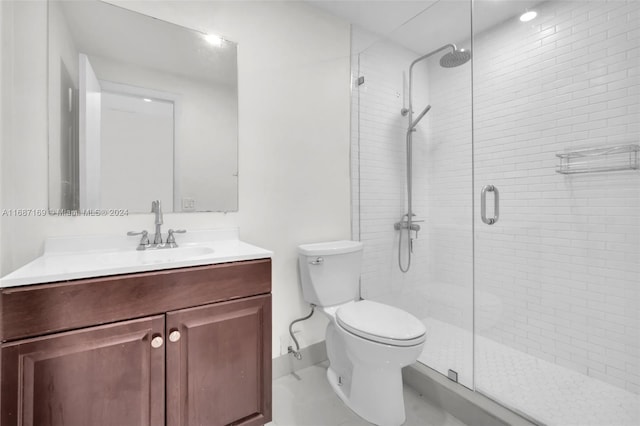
x=551 y=394
x=306 y=399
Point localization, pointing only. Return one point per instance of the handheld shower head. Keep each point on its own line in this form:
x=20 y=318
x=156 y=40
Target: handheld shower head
x=455 y=58
x=422 y=114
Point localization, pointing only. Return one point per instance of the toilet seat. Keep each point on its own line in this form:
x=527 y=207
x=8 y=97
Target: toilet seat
x=381 y=323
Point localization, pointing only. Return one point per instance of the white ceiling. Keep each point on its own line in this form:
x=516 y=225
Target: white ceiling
x=424 y=25
x=122 y=35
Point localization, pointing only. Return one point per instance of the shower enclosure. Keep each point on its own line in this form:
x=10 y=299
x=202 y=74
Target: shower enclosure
x=523 y=224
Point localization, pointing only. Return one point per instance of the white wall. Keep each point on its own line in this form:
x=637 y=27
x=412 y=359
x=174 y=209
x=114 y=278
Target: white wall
x=293 y=64
x=24 y=145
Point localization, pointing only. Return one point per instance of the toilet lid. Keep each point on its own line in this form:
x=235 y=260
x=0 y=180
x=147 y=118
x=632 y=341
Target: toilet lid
x=381 y=323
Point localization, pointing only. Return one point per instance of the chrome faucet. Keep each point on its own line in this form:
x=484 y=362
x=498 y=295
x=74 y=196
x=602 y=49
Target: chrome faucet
x=157 y=209
x=157 y=238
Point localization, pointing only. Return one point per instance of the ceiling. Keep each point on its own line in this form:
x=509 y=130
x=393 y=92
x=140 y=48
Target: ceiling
x=121 y=35
x=419 y=25
x=424 y=25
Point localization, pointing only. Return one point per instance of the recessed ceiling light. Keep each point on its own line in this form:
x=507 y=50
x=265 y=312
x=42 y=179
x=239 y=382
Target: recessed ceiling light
x=528 y=16
x=146 y=99
x=213 y=39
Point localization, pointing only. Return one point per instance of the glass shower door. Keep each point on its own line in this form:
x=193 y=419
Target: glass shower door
x=557 y=211
x=438 y=286
x=442 y=275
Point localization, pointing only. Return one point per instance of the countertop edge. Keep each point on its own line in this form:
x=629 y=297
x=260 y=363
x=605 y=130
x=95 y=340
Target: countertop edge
x=11 y=282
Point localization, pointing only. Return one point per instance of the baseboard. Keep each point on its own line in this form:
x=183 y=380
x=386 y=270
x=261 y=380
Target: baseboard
x=470 y=407
x=287 y=364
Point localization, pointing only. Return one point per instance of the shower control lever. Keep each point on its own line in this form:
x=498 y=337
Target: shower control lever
x=404 y=225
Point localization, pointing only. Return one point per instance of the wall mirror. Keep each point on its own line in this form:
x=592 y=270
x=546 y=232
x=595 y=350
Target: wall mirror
x=139 y=109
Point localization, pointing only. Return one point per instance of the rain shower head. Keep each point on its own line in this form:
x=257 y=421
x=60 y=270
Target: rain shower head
x=455 y=58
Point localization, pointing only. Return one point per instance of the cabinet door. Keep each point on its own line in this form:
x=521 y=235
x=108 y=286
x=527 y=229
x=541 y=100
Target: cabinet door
x=100 y=376
x=219 y=365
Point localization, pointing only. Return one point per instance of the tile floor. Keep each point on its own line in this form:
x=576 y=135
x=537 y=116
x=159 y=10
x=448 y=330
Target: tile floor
x=306 y=399
x=550 y=393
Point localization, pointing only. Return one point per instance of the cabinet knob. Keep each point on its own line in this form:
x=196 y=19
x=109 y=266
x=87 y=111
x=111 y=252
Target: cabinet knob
x=174 y=336
x=156 y=342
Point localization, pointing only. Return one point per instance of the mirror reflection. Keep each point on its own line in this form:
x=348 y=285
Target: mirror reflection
x=139 y=109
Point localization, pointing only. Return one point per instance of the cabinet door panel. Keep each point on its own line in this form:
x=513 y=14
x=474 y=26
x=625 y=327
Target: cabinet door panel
x=219 y=372
x=99 y=376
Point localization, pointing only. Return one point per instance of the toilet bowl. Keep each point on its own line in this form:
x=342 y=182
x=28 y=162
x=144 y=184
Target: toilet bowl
x=368 y=342
x=378 y=340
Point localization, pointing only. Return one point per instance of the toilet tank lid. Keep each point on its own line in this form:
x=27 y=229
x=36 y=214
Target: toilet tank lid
x=329 y=248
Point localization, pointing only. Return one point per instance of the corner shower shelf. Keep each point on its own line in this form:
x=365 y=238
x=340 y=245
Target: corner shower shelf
x=607 y=159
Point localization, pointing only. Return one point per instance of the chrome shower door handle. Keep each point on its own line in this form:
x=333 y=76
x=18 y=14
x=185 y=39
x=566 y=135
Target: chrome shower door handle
x=483 y=204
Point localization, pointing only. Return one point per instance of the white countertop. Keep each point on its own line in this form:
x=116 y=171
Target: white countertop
x=71 y=258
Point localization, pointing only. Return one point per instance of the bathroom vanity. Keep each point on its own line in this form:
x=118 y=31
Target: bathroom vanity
x=179 y=346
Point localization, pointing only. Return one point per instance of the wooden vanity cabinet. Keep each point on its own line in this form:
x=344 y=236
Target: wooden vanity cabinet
x=228 y=337
x=201 y=357
x=107 y=375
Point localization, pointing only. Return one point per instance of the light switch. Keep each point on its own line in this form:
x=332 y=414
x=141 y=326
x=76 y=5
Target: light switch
x=188 y=204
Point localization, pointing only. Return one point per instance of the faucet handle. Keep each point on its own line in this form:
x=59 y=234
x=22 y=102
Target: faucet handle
x=171 y=239
x=133 y=233
x=144 y=240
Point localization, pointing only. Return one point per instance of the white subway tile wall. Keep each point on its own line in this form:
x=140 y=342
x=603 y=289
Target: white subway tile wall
x=379 y=165
x=563 y=259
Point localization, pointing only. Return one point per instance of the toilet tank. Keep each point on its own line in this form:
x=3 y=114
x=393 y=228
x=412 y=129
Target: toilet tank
x=330 y=271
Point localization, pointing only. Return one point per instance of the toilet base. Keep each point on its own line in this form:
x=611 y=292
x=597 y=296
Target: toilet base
x=362 y=393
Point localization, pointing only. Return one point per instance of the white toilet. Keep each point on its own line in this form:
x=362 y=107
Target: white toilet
x=368 y=343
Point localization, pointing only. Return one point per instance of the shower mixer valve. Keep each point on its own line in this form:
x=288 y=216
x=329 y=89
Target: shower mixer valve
x=404 y=224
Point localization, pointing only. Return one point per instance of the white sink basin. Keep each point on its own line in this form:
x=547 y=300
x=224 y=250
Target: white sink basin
x=150 y=256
